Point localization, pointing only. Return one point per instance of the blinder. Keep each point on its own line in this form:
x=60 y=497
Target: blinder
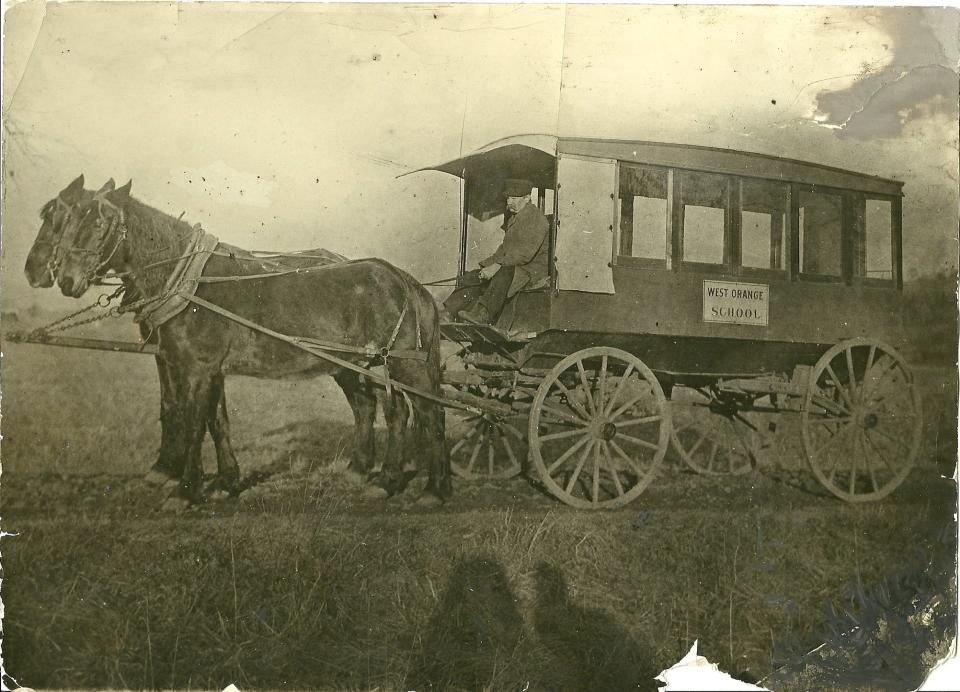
x=115 y=225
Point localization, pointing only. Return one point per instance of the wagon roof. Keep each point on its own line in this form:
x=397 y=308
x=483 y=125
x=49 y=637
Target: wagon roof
x=532 y=155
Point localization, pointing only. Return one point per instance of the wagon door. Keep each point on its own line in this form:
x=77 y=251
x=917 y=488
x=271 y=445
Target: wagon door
x=586 y=210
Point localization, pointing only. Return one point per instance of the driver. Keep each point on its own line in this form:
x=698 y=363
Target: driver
x=522 y=259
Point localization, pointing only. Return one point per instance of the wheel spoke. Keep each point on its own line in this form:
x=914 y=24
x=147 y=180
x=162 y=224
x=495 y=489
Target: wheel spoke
x=602 y=385
x=563 y=416
x=880 y=454
x=703 y=436
x=561 y=435
x=509 y=450
x=827 y=420
x=840 y=387
x=878 y=378
x=566 y=455
x=853 y=468
x=512 y=430
x=870 y=356
x=637 y=440
x=596 y=472
x=612 y=466
x=836 y=436
x=895 y=440
x=490 y=456
x=829 y=406
x=576 y=471
x=861 y=438
x=571 y=400
x=638 y=421
x=463 y=440
x=851 y=374
x=588 y=395
x=619 y=387
x=476 y=452
x=836 y=460
x=629 y=459
x=713 y=454
x=626 y=407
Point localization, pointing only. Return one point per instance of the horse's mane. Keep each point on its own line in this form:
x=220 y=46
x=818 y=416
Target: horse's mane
x=154 y=236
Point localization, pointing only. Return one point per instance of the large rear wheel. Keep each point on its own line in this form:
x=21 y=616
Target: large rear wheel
x=599 y=427
x=861 y=420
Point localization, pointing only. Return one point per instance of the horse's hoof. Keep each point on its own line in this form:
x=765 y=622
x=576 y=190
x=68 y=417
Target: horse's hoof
x=354 y=477
x=375 y=492
x=219 y=495
x=220 y=488
x=157 y=478
x=428 y=500
x=175 y=504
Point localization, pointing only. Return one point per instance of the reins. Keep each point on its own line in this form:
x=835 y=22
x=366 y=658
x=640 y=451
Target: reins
x=174 y=287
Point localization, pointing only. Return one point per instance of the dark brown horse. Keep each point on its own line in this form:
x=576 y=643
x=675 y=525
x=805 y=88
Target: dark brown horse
x=44 y=255
x=363 y=303
x=41 y=269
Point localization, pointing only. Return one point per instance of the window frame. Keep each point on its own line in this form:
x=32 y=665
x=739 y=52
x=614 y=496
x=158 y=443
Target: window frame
x=851 y=242
x=846 y=233
x=768 y=273
x=730 y=225
x=860 y=240
x=631 y=260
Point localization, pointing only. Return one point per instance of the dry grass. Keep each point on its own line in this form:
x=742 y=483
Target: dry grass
x=303 y=583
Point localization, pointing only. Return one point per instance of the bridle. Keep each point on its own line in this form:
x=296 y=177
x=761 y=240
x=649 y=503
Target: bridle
x=54 y=261
x=116 y=226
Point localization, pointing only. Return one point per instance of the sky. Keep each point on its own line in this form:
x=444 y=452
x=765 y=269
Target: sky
x=285 y=126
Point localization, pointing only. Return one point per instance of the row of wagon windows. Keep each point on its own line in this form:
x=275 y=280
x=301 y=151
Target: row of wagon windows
x=764 y=208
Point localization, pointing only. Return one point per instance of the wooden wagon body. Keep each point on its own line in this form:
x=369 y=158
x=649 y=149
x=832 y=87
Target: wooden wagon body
x=742 y=282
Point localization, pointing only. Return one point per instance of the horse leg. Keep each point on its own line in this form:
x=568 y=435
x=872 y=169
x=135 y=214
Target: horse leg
x=395 y=412
x=195 y=399
x=363 y=402
x=428 y=425
x=166 y=466
x=218 y=422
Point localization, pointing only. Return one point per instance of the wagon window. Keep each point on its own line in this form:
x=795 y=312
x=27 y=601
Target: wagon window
x=763 y=223
x=820 y=229
x=876 y=262
x=643 y=212
x=703 y=206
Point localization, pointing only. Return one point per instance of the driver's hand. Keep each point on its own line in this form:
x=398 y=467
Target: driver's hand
x=488 y=272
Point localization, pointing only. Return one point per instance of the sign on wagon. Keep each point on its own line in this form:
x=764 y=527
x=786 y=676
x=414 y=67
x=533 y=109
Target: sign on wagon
x=735 y=303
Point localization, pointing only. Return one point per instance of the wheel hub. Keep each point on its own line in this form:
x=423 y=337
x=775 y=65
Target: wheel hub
x=870 y=420
x=607 y=431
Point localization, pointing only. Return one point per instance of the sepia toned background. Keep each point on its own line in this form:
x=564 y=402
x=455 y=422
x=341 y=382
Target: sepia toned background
x=285 y=126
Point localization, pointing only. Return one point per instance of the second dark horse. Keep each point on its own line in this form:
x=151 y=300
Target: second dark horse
x=365 y=303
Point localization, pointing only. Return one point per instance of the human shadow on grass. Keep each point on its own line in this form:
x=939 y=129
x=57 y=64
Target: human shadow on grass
x=588 y=650
x=473 y=634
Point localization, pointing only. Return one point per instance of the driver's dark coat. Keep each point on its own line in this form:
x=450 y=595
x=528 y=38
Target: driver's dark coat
x=524 y=247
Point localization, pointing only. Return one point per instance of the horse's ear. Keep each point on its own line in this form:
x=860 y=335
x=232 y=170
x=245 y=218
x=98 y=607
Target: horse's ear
x=71 y=192
x=122 y=193
x=106 y=187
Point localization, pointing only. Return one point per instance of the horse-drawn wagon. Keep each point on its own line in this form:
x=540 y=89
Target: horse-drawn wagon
x=696 y=297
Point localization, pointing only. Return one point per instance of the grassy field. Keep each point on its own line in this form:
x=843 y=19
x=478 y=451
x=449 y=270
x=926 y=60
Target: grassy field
x=302 y=582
